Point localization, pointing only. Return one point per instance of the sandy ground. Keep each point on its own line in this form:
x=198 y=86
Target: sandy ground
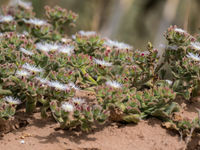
x=41 y=135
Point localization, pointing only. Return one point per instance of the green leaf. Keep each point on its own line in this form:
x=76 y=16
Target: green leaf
x=135 y=118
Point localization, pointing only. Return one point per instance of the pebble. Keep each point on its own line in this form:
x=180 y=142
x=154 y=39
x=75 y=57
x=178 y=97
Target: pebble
x=22 y=142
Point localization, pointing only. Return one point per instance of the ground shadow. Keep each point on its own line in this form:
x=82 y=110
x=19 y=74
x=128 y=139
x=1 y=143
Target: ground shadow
x=194 y=143
x=22 y=120
x=75 y=135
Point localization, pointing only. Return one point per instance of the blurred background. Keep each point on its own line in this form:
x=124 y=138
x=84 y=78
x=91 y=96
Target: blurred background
x=131 y=21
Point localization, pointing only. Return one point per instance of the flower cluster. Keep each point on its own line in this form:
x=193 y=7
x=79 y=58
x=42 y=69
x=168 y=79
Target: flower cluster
x=77 y=113
x=183 y=61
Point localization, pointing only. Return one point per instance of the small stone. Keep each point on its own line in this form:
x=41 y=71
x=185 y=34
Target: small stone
x=22 y=142
x=22 y=137
x=27 y=135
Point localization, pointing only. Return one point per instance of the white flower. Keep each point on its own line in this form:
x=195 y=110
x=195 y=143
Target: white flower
x=23 y=73
x=87 y=33
x=12 y=100
x=20 y=35
x=59 y=86
x=1 y=34
x=67 y=107
x=47 y=47
x=36 y=22
x=25 y=33
x=193 y=56
x=6 y=19
x=169 y=82
x=73 y=86
x=196 y=45
x=78 y=100
x=144 y=52
x=114 y=84
x=32 y=68
x=162 y=45
x=68 y=49
x=172 y=47
x=73 y=37
x=117 y=44
x=102 y=62
x=26 y=51
x=42 y=80
x=26 y=5
x=64 y=40
x=180 y=30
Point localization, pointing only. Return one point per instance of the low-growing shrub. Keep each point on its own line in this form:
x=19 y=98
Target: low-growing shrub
x=40 y=66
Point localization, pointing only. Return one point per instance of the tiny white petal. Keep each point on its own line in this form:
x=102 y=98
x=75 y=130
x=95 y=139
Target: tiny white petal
x=102 y=62
x=23 y=50
x=196 y=45
x=36 y=22
x=26 y=5
x=20 y=35
x=117 y=44
x=32 y=68
x=162 y=45
x=87 y=33
x=68 y=49
x=64 y=40
x=114 y=84
x=193 y=56
x=180 y=30
x=67 y=107
x=6 y=18
x=73 y=37
x=42 y=80
x=144 y=52
x=1 y=34
x=23 y=73
x=169 y=82
x=25 y=33
x=47 y=47
x=12 y=100
x=59 y=86
x=78 y=100
x=172 y=47
x=73 y=86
